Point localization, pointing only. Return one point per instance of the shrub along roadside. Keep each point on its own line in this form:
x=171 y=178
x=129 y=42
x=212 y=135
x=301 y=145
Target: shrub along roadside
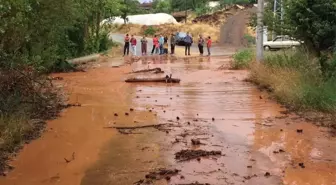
x=295 y=79
x=242 y=59
x=27 y=98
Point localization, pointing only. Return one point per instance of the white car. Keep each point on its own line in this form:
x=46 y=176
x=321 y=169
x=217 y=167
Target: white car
x=281 y=42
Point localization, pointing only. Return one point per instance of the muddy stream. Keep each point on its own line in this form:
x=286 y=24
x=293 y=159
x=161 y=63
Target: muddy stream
x=242 y=137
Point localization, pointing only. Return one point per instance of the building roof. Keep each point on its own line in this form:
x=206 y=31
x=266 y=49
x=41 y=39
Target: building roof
x=146 y=5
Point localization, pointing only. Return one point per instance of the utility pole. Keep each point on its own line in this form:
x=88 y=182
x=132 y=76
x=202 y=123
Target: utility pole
x=278 y=12
x=260 y=31
x=186 y=12
x=274 y=17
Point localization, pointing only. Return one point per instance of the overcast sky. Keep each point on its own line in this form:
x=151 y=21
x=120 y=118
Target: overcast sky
x=141 y=1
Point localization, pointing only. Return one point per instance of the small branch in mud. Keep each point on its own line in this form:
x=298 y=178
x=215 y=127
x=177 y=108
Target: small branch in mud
x=71 y=105
x=137 y=127
x=155 y=70
x=195 y=183
x=127 y=131
x=163 y=80
x=158 y=175
x=73 y=158
x=186 y=133
x=161 y=174
x=143 y=182
x=57 y=78
x=185 y=155
x=264 y=124
x=196 y=142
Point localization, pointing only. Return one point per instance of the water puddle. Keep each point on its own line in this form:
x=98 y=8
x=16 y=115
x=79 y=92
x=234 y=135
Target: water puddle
x=258 y=142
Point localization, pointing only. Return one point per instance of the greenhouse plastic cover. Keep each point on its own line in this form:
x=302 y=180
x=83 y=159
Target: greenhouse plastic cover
x=144 y=19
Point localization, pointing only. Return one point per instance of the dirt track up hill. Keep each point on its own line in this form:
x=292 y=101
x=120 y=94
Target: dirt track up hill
x=233 y=31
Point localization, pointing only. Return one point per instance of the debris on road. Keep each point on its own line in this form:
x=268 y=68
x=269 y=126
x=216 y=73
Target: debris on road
x=195 y=183
x=185 y=155
x=299 y=130
x=155 y=70
x=162 y=174
x=72 y=105
x=72 y=158
x=158 y=175
x=57 y=78
x=195 y=142
x=137 y=127
x=163 y=80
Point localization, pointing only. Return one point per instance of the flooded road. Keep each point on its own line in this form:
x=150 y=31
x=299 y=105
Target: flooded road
x=259 y=142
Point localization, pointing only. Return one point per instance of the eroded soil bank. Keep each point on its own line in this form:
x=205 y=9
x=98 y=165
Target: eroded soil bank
x=212 y=128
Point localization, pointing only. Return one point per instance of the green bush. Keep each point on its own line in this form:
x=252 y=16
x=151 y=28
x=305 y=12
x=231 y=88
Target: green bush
x=150 y=31
x=318 y=96
x=242 y=59
x=291 y=59
x=296 y=80
x=250 y=40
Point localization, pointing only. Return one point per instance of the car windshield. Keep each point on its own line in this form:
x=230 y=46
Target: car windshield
x=181 y=34
x=278 y=39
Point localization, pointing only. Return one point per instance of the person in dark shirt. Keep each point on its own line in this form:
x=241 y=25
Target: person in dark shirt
x=188 y=41
x=165 y=45
x=200 y=44
x=127 y=44
x=172 y=44
x=144 y=46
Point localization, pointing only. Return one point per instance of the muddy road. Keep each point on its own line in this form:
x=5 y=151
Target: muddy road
x=212 y=128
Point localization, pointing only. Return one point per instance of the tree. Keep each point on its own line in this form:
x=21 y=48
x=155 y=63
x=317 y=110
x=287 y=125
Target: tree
x=180 y=5
x=314 y=23
x=223 y=3
x=129 y=7
x=92 y=14
x=162 y=6
x=32 y=32
x=42 y=33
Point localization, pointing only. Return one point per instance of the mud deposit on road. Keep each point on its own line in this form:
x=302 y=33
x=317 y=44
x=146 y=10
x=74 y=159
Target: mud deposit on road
x=212 y=128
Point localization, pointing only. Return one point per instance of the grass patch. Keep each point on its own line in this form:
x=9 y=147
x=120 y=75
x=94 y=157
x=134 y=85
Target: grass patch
x=242 y=59
x=295 y=79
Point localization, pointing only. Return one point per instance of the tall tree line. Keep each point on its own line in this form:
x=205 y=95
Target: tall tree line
x=42 y=32
x=199 y=6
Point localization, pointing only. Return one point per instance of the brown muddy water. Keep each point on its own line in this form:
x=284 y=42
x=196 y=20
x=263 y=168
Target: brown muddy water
x=254 y=134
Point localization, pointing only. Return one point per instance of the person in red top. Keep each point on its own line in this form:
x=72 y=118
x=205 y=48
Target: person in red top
x=127 y=44
x=133 y=44
x=209 y=43
x=155 y=45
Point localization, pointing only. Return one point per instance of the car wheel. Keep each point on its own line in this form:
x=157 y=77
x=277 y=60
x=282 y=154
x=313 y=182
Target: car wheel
x=267 y=48
x=293 y=47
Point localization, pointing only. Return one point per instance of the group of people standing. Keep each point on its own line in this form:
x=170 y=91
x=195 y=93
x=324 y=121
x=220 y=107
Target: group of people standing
x=160 y=44
x=201 y=42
